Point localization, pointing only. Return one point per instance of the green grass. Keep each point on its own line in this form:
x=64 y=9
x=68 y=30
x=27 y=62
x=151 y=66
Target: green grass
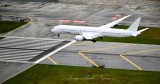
x=150 y=36
x=6 y=26
x=52 y=74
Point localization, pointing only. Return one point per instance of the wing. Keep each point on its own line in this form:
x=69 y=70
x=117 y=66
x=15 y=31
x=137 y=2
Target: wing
x=91 y=35
x=109 y=25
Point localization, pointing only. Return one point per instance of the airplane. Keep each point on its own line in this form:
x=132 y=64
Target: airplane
x=91 y=33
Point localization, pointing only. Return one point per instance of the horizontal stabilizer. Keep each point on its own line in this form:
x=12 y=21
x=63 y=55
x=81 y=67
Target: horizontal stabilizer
x=139 y=32
x=142 y=30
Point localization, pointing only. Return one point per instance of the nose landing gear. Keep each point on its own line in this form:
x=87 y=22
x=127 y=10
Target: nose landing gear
x=58 y=35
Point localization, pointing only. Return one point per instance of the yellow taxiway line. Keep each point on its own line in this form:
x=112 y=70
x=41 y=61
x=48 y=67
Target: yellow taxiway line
x=88 y=59
x=52 y=60
x=130 y=62
x=143 y=51
x=81 y=52
x=108 y=48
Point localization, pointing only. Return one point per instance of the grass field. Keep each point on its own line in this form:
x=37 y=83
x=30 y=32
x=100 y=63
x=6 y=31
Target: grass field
x=150 y=36
x=6 y=26
x=53 y=74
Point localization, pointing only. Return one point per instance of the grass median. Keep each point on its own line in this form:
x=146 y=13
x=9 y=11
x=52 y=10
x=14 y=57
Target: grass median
x=6 y=26
x=55 y=74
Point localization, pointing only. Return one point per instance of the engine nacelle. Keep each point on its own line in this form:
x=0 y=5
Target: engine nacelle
x=79 y=38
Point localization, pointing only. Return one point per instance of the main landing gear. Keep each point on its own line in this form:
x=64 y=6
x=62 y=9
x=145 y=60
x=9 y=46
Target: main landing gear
x=101 y=38
x=93 y=40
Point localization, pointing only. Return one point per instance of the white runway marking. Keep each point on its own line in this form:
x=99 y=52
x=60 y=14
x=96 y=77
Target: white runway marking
x=55 y=51
x=20 y=49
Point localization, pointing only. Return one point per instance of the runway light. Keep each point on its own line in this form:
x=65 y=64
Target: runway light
x=119 y=15
x=114 y=18
x=78 y=21
x=64 y=20
x=72 y=21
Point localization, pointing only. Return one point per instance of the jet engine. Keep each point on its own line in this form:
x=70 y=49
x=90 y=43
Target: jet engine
x=79 y=38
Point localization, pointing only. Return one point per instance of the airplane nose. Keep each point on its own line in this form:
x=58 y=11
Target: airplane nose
x=53 y=30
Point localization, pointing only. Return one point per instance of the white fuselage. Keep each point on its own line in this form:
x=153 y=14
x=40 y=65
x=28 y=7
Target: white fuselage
x=81 y=29
x=91 y=33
